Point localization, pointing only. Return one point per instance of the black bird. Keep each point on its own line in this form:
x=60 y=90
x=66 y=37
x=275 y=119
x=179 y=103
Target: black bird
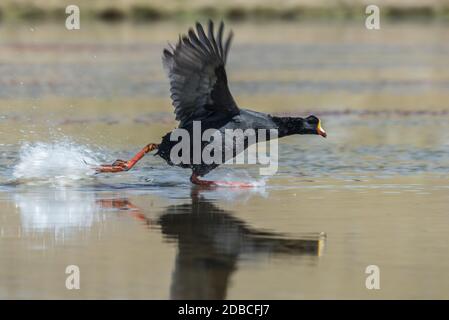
x=199 y=91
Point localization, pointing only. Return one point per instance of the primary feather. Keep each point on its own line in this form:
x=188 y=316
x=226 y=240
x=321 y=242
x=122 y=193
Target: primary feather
x=196 y=70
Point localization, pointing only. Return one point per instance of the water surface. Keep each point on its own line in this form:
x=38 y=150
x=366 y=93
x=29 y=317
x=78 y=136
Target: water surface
x=374 y=193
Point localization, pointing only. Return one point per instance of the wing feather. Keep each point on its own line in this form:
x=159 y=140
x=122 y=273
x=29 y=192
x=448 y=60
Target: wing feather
x=196 y=70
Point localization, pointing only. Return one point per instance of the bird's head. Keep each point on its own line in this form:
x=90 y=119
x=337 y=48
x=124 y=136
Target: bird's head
x=297 y=125
x=312 y=125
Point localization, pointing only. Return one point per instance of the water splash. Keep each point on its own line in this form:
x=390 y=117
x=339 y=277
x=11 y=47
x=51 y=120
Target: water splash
x=229 y=175
x=59 y=163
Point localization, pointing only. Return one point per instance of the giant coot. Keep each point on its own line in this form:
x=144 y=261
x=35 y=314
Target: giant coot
x=200 y=93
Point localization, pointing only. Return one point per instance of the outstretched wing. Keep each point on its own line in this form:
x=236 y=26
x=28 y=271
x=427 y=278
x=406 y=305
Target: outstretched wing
x=196 y=69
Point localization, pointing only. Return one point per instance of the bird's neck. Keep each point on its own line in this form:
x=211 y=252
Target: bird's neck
x=289 y=125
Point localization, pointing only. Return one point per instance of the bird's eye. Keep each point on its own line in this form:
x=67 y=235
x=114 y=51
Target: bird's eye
x=312 y=120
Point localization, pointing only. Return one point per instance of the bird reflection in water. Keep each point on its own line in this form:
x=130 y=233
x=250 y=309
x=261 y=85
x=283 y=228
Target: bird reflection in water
x=210 y=243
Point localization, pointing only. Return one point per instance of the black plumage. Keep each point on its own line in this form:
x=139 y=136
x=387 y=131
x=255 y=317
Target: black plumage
x=199 y=92
x=198 y=82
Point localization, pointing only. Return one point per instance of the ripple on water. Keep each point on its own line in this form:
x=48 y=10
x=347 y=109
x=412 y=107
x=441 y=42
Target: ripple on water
x=65 y=162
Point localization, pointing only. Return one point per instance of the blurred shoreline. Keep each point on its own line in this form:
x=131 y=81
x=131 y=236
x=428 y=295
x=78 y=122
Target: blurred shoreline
x=236 y=10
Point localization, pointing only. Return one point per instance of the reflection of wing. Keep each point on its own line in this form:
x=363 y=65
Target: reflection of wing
x=202 y=270
x=196 y=69
x=210 y=241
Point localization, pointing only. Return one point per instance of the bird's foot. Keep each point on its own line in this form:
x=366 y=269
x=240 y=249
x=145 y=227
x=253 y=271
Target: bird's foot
x=208 y=183
x=233 y=184
x=120 y=165
x=117 y=166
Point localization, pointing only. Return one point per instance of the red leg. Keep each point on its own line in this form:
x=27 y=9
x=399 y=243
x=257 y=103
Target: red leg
x=120 y=165
x=125 y=204
x=207 y=183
